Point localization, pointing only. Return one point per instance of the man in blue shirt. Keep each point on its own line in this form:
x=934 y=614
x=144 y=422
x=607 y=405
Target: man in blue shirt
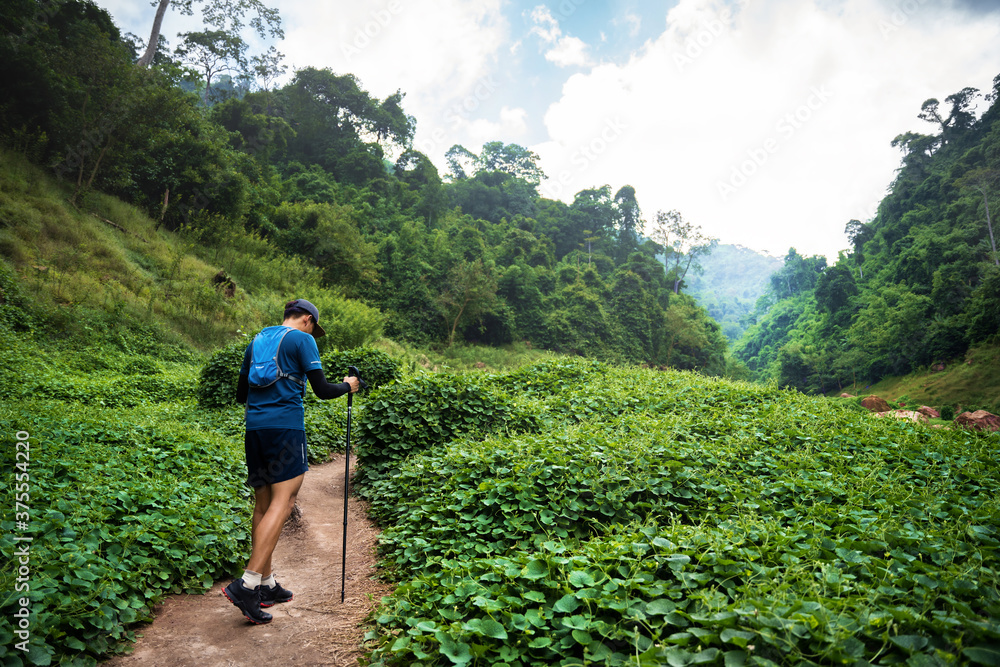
x=276 y=450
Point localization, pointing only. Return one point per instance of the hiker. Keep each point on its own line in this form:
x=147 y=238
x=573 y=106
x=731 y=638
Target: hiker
x=272 y=384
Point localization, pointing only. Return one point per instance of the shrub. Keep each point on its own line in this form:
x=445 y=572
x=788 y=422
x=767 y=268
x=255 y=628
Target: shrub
x=681 y=522
x=948 y=412
x=219 y=377
x=377 y=368
x=13 y=303
x=428 y=412
x=348 y=323
x=126 y=507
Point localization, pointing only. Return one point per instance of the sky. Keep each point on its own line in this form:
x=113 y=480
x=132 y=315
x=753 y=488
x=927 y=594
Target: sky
x=767 y=122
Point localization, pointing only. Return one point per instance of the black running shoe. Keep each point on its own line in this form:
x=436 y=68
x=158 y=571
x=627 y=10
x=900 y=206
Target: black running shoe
x=272 y=596
x=247 y=600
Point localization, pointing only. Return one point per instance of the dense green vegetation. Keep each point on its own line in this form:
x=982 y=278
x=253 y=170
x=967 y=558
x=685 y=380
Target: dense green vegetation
x=601 y=516
x=565 y=512
x=731 y=281
x=131 y=489
x=921 y=281
x=321 y=179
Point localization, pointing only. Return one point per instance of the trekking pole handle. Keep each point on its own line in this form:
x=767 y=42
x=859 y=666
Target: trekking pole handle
x=353 y=372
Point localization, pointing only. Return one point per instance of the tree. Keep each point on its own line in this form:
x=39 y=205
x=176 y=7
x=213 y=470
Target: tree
x=628 y=221
x=982 y=181
x=682 y=242
x=461 y=162
x=470 y=290
x=511 y=159
x=226 y=15
x=212 y=52
x=960 y=116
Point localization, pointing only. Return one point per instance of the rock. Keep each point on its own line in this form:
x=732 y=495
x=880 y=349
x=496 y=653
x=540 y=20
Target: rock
x=910 y=415
x=980 y=420
x=929 y=411
x=937 y=368
x=875 y=404
x=846 y=395
x=480 y=364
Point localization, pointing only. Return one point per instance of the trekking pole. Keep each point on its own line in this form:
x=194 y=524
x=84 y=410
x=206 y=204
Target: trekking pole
x=351 y=372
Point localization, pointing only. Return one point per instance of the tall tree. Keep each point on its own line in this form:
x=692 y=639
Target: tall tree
x=511 y=159
x=227 y=15
x=984 y=181
x=210 y=53
x=682 y=242
x=628 y=221
x=470 y=289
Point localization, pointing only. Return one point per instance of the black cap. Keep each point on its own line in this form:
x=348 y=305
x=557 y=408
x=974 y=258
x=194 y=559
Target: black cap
x=302 y=304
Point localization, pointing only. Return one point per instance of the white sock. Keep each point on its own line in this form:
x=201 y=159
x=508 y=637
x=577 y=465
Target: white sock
x=251 y=579
x=269 y=581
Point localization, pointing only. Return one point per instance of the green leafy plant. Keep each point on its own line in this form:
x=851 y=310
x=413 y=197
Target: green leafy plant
x=425 y=413
x=377 y=368
x=663 y=518
x=219 y=377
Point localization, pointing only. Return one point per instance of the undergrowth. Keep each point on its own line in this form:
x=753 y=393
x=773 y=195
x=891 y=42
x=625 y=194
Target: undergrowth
x=653 y=518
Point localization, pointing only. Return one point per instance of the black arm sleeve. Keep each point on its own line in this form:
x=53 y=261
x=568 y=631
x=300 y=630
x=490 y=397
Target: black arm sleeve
x=322 y=388
x=242 y=389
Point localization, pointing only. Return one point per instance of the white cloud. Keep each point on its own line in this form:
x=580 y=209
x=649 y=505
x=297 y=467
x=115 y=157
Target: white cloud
x=768 y=124
x=568 y=52
x=511 y=125
x=546 y=26
x=565 y=51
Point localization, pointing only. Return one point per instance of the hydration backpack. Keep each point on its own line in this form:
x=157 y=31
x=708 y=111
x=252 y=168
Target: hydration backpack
x=264 y=368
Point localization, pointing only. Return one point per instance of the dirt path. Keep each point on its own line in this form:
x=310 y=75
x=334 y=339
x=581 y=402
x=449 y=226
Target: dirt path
x=314 y=628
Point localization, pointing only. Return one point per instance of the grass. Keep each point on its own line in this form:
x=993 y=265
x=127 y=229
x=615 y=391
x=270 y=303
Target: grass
x=106 y=260
x=970 y=383
x=465 y=358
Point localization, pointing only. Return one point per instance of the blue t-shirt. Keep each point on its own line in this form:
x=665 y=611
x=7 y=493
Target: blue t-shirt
x=280 y=405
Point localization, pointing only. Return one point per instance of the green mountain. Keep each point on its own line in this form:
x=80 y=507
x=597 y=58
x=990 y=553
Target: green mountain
x=921 y=282
x=731 y=280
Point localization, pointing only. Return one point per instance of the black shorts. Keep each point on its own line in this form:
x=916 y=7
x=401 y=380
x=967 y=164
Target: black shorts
x=275 y=455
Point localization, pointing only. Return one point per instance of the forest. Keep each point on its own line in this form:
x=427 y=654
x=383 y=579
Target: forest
x=920 y=282
x=319 y=170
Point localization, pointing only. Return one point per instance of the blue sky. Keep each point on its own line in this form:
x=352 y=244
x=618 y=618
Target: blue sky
x=767 y=122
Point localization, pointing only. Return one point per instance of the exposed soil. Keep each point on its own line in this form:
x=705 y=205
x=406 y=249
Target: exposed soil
x=314 y=628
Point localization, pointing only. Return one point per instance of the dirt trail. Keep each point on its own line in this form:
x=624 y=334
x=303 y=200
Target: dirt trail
x=314 y=628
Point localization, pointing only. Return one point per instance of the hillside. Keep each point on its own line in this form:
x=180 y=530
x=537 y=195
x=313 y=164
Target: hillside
x=921 y=283
x=731 y=280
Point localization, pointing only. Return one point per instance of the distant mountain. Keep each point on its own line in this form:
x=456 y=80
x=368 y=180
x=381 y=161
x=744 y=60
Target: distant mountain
x=733 y=278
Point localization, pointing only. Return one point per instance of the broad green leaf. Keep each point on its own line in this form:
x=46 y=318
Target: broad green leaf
x=982 y=655
x=491 y=628
x=567 y=604
x=735 y=658
x=909 y=642
x=535 y=569
x=457 y=652
x=660 y=607
x=534 y=596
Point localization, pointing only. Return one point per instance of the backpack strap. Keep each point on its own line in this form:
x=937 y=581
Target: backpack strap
x=282 y=374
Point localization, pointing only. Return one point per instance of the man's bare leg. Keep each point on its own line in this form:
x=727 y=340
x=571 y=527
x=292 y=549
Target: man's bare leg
x=280 y=500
